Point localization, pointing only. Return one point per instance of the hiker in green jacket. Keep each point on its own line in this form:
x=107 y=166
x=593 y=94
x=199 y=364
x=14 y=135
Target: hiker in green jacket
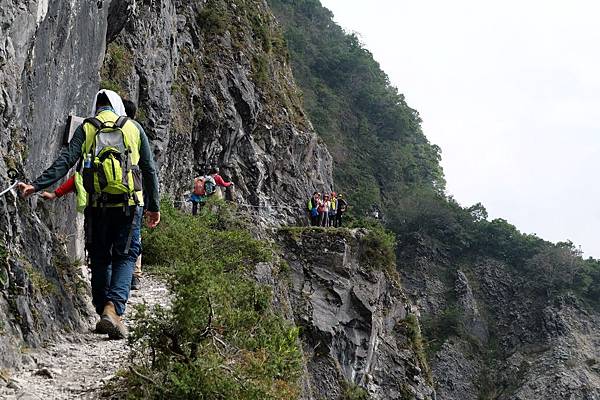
x=113 y=220
x=69 y=186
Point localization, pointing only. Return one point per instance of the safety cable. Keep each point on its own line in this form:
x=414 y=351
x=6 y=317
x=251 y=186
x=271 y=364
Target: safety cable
x=12 y=175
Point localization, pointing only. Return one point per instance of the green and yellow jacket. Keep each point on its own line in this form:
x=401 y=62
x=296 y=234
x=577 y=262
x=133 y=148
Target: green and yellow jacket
x=69 y=157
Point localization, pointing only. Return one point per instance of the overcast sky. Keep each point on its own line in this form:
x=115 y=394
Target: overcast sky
x=510 y=90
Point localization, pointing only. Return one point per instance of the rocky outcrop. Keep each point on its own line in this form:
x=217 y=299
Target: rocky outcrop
x=356 y=324
x=50 y=53
x=508 y=343
x=215 y=88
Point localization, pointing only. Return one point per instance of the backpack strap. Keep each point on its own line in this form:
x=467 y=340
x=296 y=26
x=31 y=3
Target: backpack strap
x=121 y=121
x=119 y=124
x=98 y=125
x=95 y=122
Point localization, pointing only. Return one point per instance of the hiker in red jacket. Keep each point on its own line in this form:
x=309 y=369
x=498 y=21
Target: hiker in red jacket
x=65 y=188
x=220 y=182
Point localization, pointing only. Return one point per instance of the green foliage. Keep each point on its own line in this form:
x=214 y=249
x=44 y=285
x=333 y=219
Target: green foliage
x=375 y=138
x=260 y=70
x=109 y=84
x=221 y=337
x=118 y=64
x=141 y=115
x=214 y=19
x=428 y=224
x=354 y=392
x=440 y=327
x=412 y=330
x=39 y=281
x=378 y=249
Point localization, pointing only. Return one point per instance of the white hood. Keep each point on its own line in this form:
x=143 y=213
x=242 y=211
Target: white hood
x=115 y=101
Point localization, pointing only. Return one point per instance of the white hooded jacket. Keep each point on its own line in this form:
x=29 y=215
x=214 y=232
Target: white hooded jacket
x=115 y=101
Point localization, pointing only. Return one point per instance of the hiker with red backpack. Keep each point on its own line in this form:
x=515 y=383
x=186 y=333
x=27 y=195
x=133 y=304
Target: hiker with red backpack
x=204 y=187
x=220 y=182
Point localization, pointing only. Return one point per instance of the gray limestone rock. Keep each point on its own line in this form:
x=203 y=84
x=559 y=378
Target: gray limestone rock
x=354 y=320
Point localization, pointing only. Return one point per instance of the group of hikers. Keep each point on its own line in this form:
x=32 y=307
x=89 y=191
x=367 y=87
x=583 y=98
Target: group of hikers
x=326 y=209
x=116 y=185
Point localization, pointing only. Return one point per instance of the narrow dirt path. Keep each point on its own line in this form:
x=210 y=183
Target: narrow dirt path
x=78 y=366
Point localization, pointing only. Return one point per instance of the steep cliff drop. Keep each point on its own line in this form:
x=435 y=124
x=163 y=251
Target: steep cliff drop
x=358 y=328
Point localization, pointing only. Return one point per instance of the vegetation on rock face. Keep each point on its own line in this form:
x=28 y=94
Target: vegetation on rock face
x=253 y=32
x=376 y=245
x=442 y=326
x=117 y=66
x=412 y=331
x=375 y=138
x=354 y=392
x=382 y=157
x=221 y=338
x=378 y=249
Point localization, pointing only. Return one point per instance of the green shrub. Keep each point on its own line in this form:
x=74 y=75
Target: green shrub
x=118 y=64
x=214 y=18
x=109 y=84
x=411 y=328
x=220 y=338
x=354 y=392
x=378 y=249
x=260 y=70
x=438 y=328
x=39 y=281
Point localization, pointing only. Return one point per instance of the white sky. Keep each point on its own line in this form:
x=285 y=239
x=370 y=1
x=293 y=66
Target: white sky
x=510 y=90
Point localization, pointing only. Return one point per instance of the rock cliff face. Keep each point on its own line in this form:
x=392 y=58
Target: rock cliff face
x=493 y=338
x=50 y=53
x=356 y=324
x=214 y=88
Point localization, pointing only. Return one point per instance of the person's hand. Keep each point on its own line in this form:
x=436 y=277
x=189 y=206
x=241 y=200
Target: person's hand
x=48 y=195
x=26 y=189
x=152 y=218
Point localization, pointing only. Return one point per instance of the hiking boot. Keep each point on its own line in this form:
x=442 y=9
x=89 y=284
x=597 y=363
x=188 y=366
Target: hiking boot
x=136 y=283
x=101 y=327
x=111 y=323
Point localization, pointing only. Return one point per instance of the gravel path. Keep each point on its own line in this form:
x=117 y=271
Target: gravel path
x=78 y=366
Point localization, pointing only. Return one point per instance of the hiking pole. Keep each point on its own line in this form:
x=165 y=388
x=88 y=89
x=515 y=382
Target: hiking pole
x=12 y=175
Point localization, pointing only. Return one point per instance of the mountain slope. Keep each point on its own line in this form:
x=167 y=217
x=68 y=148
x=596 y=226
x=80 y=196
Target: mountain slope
x=379 y=149
x=507 y=315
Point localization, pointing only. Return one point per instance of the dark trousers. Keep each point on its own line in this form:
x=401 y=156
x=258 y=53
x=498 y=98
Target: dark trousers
x=332 y=219
x=338 y=219
x=314 y=219
x=110 y=230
